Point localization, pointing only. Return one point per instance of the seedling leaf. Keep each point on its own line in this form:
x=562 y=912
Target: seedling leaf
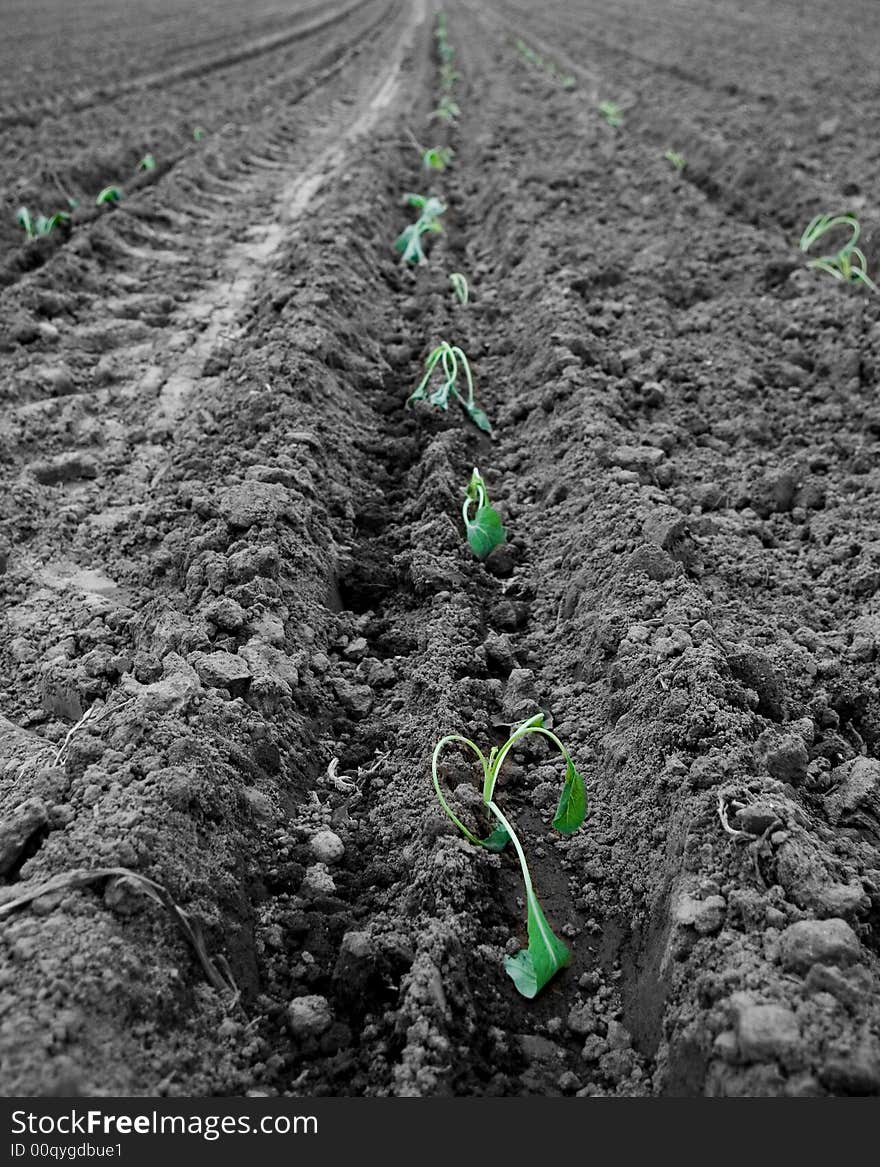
x=531 y=968
x=484 y=528
x=110 y=194
x=148 y=162
x=24 y=220
x=572 y=808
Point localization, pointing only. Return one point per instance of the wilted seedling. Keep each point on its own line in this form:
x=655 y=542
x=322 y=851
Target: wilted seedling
x=35 y=226
x=482 y=523
x=409 y=241
x=611 y=112
x=447 y=111
x=437 y=157
x=847 y=264
x=110 y=194
x=531 y=968
x=450 y=358
x=677 y=160
x=459 y=287
x=148 y=162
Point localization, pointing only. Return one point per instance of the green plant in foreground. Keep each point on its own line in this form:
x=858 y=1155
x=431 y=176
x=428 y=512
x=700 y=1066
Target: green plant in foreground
x=531 y=968
x=110 y=194
x=677 y=160
x=437 y=157
x=459 y=287
x=482 y=523
x=148 y=162
x=35 y=226
x=409 y=241
x=450 y=358
x=847 y=264
x=611 y=112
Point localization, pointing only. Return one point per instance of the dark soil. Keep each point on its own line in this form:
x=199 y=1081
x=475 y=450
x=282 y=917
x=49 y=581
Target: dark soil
x=238 y=607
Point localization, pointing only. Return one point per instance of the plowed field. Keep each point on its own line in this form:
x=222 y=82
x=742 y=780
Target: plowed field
x=238 y=607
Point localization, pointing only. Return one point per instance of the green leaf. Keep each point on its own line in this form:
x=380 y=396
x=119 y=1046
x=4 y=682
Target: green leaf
x=24 y=220
x=572 y=809
x=485 y=531
x=530 y=969
x=479 y=418
x=498 y=840
x=110 y=194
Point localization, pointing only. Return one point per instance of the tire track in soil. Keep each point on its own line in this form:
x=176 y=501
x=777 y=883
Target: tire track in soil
x=132 y=129
x=164 y=701
x=30 y=115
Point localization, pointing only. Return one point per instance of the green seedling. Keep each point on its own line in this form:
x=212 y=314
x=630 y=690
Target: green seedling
x=450 y=358
x=527 y=53
x=110 y=194
x=437 y=157
x=447 y=111
x=482 y=523
x=459 y=287
x=448 y=76
x=409 y=241
x=531 y=968
x=847 y=264
x=677 y=160
x=148 y=162
x=611 y=112
x=198 y=133
x=36 y=226
x=25 y=221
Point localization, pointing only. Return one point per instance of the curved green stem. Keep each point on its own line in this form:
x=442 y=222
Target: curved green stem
x=455 y=737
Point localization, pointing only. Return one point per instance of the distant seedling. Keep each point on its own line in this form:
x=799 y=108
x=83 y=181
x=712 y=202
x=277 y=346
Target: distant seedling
x=531 y=968
x=447 y=111
x=550 y=67
x=437 y=157
x=675 y=159
x=148 y=162
x=459 y=287
x=847 y=264
x=110 y=194
x=448 y=76
x=36 y=226
x=611 y=112
x=409 y=241
x=451 y=359
x=482 y=523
